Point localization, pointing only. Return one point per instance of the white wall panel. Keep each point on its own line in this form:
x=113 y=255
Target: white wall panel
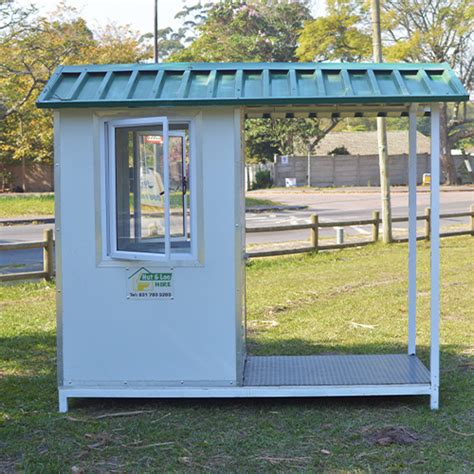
x=109 y=340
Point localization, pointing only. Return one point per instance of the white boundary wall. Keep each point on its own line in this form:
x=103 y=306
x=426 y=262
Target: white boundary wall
x=350 y=170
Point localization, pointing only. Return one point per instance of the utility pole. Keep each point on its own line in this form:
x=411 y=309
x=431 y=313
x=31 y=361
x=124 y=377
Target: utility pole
x=382 y=132
x=155 y=33
x=309 y=167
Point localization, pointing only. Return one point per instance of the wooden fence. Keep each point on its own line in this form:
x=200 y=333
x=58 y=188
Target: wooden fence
x=48 y=243
x=374 y=222
x=48 y=258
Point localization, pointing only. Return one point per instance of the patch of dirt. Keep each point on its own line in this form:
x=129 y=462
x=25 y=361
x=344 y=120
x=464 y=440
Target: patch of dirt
x=100 y=441
x=260 y=325
x=309 y=297
x=455 y=283
x=363 y=285
x=279 y=308
x=107 y=466
x=422 y=294
x=390 y=435
x=274 y=460
x=450 y=317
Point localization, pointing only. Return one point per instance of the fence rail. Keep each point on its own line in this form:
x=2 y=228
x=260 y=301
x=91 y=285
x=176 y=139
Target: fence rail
x=48 y=243
x=48 y=258
x=315 y=225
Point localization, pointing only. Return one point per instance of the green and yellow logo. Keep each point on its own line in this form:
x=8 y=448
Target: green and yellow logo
x=146 y=280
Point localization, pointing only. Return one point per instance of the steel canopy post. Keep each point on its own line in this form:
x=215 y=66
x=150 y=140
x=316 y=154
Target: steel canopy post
x=412 y=179
x=435 y=259
x=166 y=174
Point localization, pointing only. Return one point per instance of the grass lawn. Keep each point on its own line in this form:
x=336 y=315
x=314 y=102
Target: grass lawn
x=29 y=205
x=341 y=302
x=43 y=205
x=254 y=202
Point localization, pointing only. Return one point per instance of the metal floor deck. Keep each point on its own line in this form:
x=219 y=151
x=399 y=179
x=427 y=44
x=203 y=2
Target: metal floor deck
x=335 y=370
x=292 y=376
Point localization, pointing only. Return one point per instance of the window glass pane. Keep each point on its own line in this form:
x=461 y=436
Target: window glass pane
x=140 y=189
x=180 y=217
x=150 y=205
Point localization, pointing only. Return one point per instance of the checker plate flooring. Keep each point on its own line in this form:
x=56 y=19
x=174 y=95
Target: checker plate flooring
x=399 y=369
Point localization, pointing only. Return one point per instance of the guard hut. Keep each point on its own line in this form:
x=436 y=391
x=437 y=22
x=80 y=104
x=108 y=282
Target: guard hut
x=150 y=225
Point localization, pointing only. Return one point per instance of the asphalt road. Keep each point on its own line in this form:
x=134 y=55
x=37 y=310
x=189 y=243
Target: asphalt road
x=14 y=261
x=329 y=206
x=333 y=207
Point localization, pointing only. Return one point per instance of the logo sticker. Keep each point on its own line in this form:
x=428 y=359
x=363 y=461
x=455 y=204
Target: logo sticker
x=145 y=284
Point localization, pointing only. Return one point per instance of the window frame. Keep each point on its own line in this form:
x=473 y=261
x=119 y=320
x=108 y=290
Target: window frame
x=181 y=134
x=168 y=257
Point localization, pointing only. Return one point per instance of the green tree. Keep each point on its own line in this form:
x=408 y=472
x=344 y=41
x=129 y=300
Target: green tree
x=234 y=31
x=193 y=16
x=412 y=30
x=169 y=41
x=243 y=31
x=441 y=31
x=342 y=34
x=29 y=53
x=286 y=136
x=259 y=139
x=31 y=47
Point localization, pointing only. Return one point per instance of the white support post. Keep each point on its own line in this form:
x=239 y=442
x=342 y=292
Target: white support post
x=63 y=405
x=166 y=174
x=412 y=178
x=435 y=259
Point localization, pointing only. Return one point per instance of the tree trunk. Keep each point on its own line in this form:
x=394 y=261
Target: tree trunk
x=23 y=161
x=309 y=167
x=448 y=165
x=23 y=174
x=384 y=181
x=382 y=133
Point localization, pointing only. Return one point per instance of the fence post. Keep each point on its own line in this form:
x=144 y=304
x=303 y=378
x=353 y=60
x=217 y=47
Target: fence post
x=314 y=233
x=375 y=226
x=428 y=223
x=472 y=220
x=48 y=250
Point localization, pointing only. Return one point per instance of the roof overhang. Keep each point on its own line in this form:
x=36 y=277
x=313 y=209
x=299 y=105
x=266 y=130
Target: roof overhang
x=347 y=86
x=338 y=111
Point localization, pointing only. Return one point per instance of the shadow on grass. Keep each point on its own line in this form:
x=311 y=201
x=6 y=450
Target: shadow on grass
x=247 y=405
x=32 y=382
x=296 y=346
x=28 y=353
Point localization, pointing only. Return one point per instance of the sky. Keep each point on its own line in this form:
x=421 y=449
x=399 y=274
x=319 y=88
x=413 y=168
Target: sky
x=137 y=13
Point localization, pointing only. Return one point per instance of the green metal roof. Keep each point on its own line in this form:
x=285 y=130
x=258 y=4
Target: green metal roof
x=179 y=84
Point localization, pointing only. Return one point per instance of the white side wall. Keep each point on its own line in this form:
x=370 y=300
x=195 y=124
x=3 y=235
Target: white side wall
x=104 y=338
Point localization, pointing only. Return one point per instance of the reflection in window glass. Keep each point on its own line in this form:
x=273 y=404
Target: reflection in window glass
x=141 y=192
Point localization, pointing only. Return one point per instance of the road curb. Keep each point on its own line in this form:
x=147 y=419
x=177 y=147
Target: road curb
x=348 y=190
x=27 y=220
x=50 y=219
x=259 y=209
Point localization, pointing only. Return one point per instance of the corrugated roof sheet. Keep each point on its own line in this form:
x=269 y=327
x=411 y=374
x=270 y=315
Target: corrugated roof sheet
x=172 y=84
